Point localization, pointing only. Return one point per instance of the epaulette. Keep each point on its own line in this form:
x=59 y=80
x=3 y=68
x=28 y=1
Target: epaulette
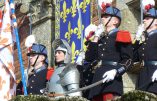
x=123 y=36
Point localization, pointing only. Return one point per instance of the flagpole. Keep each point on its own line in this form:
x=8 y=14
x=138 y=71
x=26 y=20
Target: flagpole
x=18 y=46
x=80 y=18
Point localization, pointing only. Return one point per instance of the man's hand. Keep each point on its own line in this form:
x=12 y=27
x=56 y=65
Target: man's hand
x=154 y=77
x=99 y=31
x=109 y=75
x=139 y=31
x=80 y=58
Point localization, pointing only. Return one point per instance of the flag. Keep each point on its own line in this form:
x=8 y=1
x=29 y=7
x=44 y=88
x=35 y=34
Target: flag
x=74 y=17
x=7 y=76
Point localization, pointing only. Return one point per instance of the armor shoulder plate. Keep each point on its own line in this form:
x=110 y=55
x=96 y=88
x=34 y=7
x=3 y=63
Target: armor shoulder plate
x=70 y=75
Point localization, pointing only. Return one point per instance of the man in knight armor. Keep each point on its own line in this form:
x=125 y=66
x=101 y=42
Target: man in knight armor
x=66 y=77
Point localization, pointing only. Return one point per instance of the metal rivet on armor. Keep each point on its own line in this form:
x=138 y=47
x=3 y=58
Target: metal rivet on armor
x=102 y=54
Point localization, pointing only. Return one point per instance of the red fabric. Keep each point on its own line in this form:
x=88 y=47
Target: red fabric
x=123 y=36
x=1 y=15
x=49 y=73
x=103 y=97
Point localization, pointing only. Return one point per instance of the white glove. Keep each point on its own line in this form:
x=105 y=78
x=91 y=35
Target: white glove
x=80 y=58
x=89 y=31
x=99 y=30
x=139 y=31
x=154 y=77
x=109 y=75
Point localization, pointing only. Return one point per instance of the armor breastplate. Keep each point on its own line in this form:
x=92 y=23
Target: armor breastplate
x=54 y=84
x=64 y=79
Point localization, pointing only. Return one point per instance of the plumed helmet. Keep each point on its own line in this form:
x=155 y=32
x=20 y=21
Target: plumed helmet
x=151 y=13
x=35 y=48
x=60 y=44
x=38 y=49
x=112 y=11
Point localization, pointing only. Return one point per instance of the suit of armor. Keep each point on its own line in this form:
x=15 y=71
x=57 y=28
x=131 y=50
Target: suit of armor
x=66 y=77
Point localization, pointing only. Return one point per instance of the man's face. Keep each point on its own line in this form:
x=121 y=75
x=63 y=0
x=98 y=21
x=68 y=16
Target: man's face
x=33 y=58
x=147 y=21
x=112 y=22
x=59 y=56
x=105 y=20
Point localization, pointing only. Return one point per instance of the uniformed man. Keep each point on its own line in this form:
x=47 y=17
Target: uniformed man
x=113 y=49
x=37 y=72
x=147 y=53
x=66 y=77
x=37 y=77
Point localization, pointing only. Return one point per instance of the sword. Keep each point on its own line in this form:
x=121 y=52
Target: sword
x=80 y=18
x=141 y=11
x=99 y=14
x=76 y=90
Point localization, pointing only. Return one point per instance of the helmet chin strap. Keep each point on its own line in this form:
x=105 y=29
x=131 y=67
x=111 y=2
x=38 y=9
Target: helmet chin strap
x=150 y=25
x=108 y=21
x=38 y=57
x=35 y=60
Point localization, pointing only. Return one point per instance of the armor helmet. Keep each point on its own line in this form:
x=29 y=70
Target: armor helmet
x=60 y=44
x=112 y=11
x=38 y=49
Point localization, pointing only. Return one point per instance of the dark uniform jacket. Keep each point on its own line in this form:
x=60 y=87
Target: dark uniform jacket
x=148 y=54
x=114 y=54
x=36 y=82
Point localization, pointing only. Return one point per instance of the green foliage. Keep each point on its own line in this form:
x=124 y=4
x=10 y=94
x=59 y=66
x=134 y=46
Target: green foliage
x=45 y=98
x=137 y=95
x=30 y=98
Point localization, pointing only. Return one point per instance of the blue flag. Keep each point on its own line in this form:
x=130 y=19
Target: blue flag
x=75 y=17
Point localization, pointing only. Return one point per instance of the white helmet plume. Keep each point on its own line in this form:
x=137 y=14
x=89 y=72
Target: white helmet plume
x=147 y=4
x=29 y=41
